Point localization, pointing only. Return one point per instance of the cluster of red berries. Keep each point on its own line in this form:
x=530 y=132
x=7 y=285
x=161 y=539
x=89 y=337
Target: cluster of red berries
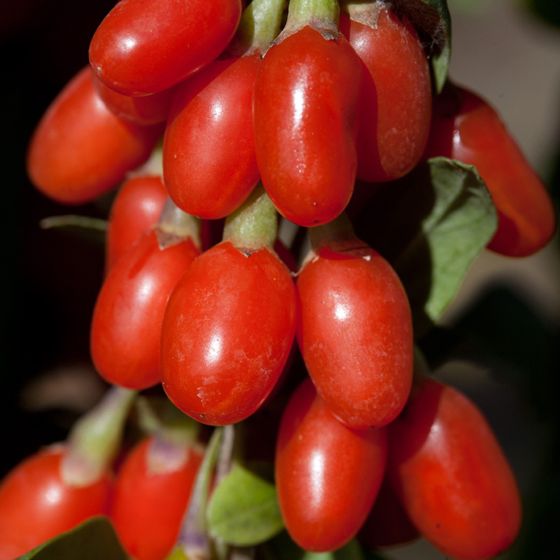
x=308 y=112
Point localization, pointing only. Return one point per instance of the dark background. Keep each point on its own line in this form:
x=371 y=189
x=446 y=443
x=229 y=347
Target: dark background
x=503 y=340
x=49 y=279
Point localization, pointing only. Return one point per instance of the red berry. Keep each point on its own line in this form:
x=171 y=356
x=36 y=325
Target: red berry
x=144 y=110
x=128 y=314
x=305 y=112
x=227 y=333
x=396 y=103
x=150 y=501
x=452 y=476
x=80 y=149
x=355 y=334
x=36 y=504
x=466 y=128
x=134 y=212
x=327 y=474
x=209 y=162
x=144 y=47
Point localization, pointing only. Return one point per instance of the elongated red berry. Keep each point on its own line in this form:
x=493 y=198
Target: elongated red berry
x=327 y=475
x=451 y=475
x=305 y=113
x=227 y=333
x=143 y=47
x=355 y=334
x=80 y=149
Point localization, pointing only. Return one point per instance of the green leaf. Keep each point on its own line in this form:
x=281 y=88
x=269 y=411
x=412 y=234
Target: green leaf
x=430 y=225
x=92 y=540
x=93 y=229
x=244 y=509
x=461 y=223
x=177 y=554
x=432 y=19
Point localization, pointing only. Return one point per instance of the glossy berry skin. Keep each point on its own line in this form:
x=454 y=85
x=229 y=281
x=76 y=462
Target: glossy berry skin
x=144 y=110
x=128 y=314
x=452 y=476
x=36 y=504
x=327 y=475
x=355 y=334
x=305 y=108
x=396 y=105
x=209 y=161
x=149 y=504
x=80 y=149
x=466 y=128
x=227 y=333
x=144 y=47
x=134 y=212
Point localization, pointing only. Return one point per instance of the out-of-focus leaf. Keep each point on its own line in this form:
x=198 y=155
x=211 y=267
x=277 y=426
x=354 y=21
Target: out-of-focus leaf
x=244 y=509
x=93 y=229
x=431 y=226
x=92 y=540
x=462 y=222
x=432 y=19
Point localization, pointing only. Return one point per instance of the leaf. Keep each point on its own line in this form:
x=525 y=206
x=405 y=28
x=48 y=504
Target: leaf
x=92 y=540
x=90 y=228
x=177 y=554
x=244 y=509
x=432 y=19
x=461 y=223
x=431 y=226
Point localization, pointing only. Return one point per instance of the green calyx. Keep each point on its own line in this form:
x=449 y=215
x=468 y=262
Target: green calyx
x=322 y=14
x=95 y=438
x=175 y=226
x=254 y=224
x=193 y=540
x=365 y=12
x=338 y=232
x=260 y=24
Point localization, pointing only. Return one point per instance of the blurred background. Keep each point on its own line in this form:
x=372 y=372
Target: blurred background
x=500 y=343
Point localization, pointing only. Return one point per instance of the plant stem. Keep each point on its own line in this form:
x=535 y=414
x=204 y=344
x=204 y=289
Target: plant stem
x=339 y=231
x=175 y=226
x=74 y=221
x=193 y=540
x=366 y=12
x=260 y=24
x=254 y=224
x=318 y=13
x=95 y=438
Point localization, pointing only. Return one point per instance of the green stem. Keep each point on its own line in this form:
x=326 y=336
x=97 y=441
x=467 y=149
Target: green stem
x=174 y=226
x=193 y=541
x=95 y=438
x=74 y=221
x=365 y=12
x=337 y=232
x=321 y=13
x=160 y=416
x=253 y=225
x=173 y=435
x=260 y=24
